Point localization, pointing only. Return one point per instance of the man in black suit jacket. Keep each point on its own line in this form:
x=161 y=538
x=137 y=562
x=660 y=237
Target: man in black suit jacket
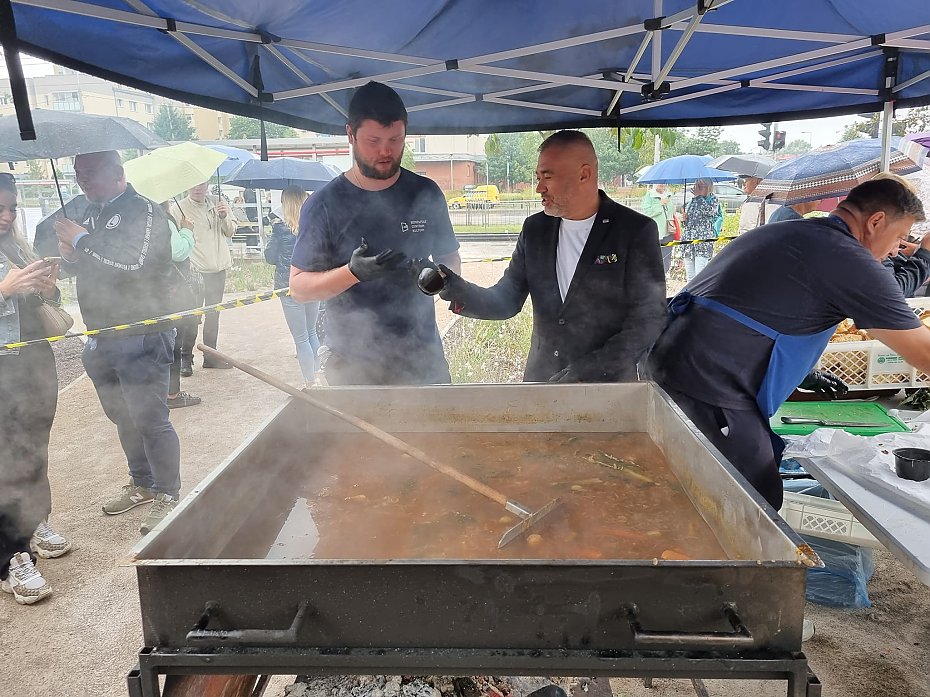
x=592 y=267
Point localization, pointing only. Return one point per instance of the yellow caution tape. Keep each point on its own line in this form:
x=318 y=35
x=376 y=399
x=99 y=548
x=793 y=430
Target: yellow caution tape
x=677 y=243
x=244 y=302
x=164 y=319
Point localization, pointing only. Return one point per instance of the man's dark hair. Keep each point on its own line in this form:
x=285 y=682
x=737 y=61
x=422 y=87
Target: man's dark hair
x=566 y=138
x=887 y=195
x=378 y=102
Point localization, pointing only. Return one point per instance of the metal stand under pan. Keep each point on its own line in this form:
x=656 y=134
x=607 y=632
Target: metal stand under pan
x=736 y=618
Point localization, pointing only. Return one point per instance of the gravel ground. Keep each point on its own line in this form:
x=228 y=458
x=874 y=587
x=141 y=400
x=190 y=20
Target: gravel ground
x=68 y=361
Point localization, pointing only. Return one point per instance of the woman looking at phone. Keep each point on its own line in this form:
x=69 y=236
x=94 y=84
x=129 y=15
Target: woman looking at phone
x=29 y=389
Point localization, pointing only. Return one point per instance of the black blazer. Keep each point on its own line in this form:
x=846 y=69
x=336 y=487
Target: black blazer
x=614 y=309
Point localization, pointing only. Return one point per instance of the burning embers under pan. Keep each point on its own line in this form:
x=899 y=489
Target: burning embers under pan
x=314 y=548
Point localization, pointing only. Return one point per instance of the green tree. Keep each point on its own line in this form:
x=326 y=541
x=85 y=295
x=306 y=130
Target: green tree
x=513 y=152
x=170 y=123
x=242 y=127
x=37 y=169
x=871 y=127
x=798 y=146
x=613 y=161
x=407 y=161
x=702 y=141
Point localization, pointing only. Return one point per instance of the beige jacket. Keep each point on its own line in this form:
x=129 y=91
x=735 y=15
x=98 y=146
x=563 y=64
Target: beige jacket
x=211 y=248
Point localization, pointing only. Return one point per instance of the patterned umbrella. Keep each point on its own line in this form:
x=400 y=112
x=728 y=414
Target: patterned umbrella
x=835 y=170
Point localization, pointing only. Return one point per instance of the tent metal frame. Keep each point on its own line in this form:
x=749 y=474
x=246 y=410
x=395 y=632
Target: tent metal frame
x=840 y=49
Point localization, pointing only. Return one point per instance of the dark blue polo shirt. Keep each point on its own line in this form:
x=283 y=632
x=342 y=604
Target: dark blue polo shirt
x=797 y=277
x=386 y=322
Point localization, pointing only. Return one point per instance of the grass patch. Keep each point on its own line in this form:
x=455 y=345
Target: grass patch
x=465 y=229
x=489 y=351
x=249 y=275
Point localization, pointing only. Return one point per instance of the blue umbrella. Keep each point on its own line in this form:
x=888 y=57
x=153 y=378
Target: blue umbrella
x=234 y=158
x=683 y=169
x=281 y=173
x=835 y=170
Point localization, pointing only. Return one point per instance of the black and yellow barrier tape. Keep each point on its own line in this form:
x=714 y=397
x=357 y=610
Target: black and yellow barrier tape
x=243 y=302
x=164 y=319
x=676 y=243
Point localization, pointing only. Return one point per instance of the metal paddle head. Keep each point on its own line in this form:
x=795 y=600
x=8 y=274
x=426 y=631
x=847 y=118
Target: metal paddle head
x=528 y=523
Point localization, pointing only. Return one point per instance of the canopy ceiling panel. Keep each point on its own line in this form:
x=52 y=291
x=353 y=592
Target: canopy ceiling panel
x=470 y=66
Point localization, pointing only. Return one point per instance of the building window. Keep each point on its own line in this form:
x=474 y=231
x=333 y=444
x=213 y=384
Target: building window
x=66 y=101
x=133 y=106
x=5 y=99
x=119 y=104
x=419 y=145
x=148 y=108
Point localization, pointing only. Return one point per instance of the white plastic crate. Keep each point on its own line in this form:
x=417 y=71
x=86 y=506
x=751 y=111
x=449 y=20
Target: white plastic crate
x=870 y=365
x=825 y=518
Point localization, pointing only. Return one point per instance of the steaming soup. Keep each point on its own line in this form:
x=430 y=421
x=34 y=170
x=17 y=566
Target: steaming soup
x=352 y=497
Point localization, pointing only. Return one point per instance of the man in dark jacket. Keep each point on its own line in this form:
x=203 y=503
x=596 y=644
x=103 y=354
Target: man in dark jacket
x=592 y=267
x=121 y=254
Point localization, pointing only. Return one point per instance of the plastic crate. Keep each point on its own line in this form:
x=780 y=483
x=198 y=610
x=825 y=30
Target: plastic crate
x=870 y=365
x=825 y=518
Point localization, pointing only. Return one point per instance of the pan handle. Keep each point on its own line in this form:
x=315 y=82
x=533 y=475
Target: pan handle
x=739 y=637
x=245 y=637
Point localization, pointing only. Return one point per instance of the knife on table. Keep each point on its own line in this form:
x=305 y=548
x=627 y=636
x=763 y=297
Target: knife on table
x=824 y=422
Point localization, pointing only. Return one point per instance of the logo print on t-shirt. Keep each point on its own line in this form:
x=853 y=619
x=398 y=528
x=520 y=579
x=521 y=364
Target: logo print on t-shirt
x=113 y=222
x=404 y=227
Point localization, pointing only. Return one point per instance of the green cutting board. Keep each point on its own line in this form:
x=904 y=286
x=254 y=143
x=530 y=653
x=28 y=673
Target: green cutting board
x=863 y=412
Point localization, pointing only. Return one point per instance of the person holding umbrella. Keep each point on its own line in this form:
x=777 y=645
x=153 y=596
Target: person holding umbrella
x=703 y=220
x=213 y=225
x=29 y=389
x=658 y=206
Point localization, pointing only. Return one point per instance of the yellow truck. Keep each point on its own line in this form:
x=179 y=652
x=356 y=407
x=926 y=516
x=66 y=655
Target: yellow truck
x=484 y=196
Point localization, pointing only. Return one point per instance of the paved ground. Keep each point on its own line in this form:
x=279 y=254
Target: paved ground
x=83 y=639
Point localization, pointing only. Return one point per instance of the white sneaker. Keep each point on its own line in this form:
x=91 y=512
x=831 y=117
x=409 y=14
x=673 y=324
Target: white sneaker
x=47 y=543
x=24 y=581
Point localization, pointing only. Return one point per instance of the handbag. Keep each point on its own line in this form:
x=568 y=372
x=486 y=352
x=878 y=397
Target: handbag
x=55 y=321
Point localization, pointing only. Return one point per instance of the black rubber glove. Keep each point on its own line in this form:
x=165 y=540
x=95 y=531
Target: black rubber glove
x=566 y=375
x=453 y=283
x=369 y=268
x=825 y=383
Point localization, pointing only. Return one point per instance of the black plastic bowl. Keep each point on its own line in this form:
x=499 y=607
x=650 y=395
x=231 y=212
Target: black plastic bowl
x=912 y=463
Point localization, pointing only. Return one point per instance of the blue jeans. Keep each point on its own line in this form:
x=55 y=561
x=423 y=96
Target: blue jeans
x=301 y=320
x=694 y=266
x=130 y=375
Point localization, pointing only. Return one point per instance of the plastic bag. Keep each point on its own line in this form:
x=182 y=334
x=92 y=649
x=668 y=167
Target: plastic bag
x=843 y=580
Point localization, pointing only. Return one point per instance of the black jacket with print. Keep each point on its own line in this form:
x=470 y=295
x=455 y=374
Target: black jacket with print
x=614 y=308
x=124 y=264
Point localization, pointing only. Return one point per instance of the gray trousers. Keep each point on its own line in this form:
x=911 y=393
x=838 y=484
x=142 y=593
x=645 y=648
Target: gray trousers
x=28 y=400
x=130 y=374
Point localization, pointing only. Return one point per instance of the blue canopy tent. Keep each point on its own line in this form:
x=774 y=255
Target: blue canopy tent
x=487 y=66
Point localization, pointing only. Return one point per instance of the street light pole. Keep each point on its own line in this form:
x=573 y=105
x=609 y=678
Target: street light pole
x=451 y=177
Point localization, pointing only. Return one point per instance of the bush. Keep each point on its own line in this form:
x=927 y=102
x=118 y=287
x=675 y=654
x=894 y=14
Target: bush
x=249 y=275
x=488 y=351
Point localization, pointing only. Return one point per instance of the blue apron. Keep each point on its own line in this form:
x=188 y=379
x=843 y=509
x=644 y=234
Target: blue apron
x=793 y=355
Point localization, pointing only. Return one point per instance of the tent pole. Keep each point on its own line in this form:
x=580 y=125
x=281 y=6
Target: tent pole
x=887 y=117
x=14 y=68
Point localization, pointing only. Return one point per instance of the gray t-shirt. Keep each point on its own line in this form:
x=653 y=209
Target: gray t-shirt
x=797 y=277
x=388 y=325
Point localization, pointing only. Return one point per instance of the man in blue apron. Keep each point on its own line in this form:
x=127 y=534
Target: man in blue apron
x=749 y=328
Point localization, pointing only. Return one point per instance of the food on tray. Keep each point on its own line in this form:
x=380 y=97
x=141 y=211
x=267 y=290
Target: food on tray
x=847 y=331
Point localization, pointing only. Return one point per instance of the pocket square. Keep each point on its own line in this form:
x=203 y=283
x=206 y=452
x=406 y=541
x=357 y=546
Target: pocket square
x=606 y=259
